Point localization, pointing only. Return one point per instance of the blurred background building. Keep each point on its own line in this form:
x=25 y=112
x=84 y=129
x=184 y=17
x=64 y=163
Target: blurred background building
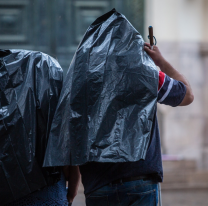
x=56 y=26
x=181 y=28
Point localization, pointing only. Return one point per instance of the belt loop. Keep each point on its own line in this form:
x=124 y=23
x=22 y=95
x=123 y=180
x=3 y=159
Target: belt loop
x=111 y=184
x=121 y=181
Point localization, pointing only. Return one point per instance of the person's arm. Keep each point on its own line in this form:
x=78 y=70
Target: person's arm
x=72 y=175
x=170 y=71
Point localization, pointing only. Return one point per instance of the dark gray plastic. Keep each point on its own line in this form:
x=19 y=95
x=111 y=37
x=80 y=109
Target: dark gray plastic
x=108 y=100
x=30 y=85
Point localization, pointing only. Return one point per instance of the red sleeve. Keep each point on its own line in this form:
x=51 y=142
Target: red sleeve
x=161 y=79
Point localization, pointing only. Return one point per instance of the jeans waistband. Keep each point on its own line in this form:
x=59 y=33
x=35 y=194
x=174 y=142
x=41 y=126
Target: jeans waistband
x=129 y=179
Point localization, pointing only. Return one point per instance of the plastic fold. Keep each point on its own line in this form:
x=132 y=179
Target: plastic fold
x=108 y=101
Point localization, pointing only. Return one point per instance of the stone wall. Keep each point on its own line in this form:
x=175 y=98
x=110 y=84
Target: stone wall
x=183 y=127
x=184 y=184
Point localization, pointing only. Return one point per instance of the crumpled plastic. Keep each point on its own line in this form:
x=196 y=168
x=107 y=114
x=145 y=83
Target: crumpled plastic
x=30 y=86
x=108 y=101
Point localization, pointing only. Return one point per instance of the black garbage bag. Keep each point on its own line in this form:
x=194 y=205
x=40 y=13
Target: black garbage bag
x=108 y=100
x=30 y=85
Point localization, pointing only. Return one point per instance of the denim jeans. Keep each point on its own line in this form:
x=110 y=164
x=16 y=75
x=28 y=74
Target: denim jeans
x=134 y=193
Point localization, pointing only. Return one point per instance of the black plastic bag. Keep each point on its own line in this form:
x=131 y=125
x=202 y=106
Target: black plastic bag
x=30 y=85
x=108 y=100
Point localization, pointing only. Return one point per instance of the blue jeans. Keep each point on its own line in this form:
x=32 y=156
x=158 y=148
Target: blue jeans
x=134 y=193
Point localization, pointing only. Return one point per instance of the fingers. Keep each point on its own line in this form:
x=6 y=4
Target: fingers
x=148 y=50
x=69 y=197
x=147 y=44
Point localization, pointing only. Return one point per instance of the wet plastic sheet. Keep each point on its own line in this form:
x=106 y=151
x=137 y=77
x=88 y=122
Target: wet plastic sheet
x=108 y=100
x=30 y=85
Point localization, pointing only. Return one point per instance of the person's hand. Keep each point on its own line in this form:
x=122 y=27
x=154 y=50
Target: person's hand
x=154 y=54
x=70 y=197
x=170 y=71
x=73 y=177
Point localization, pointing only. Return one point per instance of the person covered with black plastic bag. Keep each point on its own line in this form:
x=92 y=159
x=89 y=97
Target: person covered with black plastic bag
x=30 y=86
x=106 y=119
